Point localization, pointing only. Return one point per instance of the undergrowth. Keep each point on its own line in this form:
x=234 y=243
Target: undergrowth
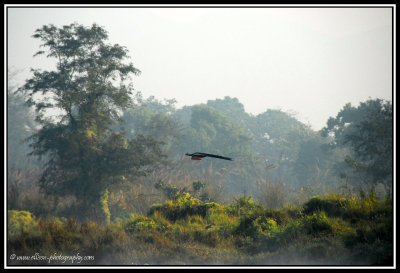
x=326 y=230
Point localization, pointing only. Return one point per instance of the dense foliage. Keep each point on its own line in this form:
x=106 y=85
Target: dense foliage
x=89 y=88
x=368 y=131
x=327 y=230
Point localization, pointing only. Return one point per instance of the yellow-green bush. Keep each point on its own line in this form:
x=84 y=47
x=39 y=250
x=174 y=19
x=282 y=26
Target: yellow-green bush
x=219 y=219
x=183 y=206
x=266 y=225
x=316 y=223
x=353 y=209
x=139 y=223
x=340 y=227
x=20 y=222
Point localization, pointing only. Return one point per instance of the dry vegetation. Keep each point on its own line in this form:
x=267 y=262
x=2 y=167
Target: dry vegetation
x=327 y=230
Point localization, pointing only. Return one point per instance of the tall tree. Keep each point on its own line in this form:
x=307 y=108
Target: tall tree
x=368 y=131
x=278 y=138
x=89 y=89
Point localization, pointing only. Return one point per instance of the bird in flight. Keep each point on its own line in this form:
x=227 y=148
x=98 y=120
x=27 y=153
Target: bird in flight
x=200 y=156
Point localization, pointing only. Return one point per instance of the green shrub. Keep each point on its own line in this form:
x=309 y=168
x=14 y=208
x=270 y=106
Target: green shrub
x=332 y=205
x=20 y=222
x=266 y=225
x=183 y=206
x=367 y=209
x=246 y=226
x=339 y=227
x=316 y=223
x=291 y=232
x=284 y=215
x=243 y=206
x=60 y=233
x=139 y=223
x=209 y=236
x=371 y=244
x=255 y=224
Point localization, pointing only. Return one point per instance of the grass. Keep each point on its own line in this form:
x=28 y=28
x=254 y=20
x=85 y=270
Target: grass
x=326 y=230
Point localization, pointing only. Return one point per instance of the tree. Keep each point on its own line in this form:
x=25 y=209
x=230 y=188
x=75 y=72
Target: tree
x=88 y=89
x=19 y=126
x=232 y=108
x=211 y=131
x=368 y=131
x=314 y=164
x=278 y=139
x=154 y=118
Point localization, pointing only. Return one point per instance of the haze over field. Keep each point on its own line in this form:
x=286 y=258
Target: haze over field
x=200 y=136
x=308 y=61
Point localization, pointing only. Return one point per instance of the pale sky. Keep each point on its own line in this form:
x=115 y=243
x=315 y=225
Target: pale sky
x=310 y=61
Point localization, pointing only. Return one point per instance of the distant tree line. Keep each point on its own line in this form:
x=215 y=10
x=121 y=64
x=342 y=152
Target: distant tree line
x=106 y=135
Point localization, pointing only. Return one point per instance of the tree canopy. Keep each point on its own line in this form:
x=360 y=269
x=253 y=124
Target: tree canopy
x=368 y=131
x=89 y=89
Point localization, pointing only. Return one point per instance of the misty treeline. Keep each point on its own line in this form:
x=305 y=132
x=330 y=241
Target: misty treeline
x=83 y=143
x=94 y=166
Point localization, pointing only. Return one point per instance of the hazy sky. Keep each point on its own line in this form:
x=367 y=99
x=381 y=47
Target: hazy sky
x=311 y=61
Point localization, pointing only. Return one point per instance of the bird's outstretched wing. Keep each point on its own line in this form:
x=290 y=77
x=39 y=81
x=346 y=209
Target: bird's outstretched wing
x=199 y=156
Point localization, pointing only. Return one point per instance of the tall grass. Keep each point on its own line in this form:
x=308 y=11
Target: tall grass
x=326 y=230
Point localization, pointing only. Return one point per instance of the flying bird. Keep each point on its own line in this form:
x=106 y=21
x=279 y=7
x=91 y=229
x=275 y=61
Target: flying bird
x=200 y=156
